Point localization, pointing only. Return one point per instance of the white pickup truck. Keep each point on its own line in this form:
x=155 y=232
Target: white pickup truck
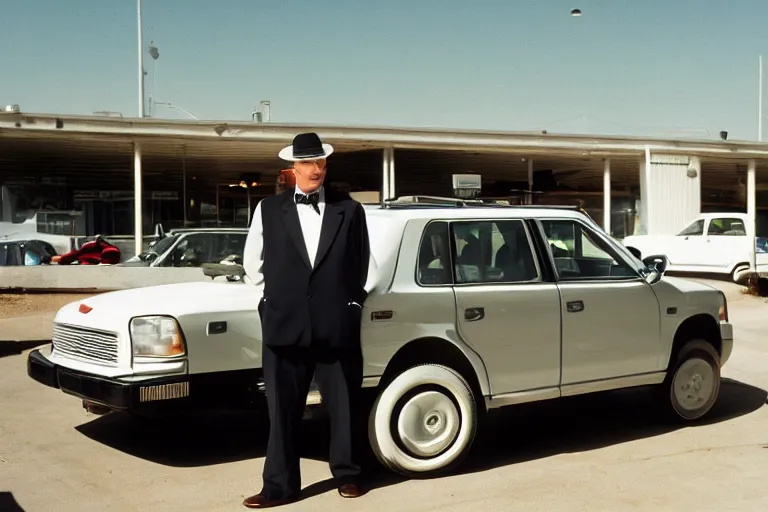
x=712 y=243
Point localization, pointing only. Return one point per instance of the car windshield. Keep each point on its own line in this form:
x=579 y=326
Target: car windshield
x=160 y=247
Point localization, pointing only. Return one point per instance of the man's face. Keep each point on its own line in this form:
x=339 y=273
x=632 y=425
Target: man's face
x=309 y=174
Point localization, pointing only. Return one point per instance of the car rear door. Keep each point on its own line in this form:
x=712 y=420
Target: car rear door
x=508 y=310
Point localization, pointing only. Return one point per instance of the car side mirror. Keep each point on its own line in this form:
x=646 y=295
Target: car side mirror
x=656 y=266
x=657 y=262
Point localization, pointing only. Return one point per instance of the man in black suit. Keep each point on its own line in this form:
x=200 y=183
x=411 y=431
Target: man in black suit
x=308 y=247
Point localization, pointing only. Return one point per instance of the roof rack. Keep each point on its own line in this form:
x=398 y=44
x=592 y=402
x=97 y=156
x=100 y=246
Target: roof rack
x=442 y=202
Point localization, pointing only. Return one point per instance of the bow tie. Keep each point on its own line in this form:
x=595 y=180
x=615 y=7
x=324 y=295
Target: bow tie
x=310 y=199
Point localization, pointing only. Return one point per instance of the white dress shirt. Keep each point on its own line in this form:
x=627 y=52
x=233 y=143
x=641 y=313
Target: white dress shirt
x=311 y=224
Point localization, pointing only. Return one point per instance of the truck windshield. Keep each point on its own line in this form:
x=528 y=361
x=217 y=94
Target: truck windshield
x=160 y=247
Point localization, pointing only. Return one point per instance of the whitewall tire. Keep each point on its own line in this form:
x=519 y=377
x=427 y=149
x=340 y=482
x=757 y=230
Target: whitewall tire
x=692 y=385
x=424 y=421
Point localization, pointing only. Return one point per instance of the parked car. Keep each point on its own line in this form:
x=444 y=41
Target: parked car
x=472 y=308
x=191 y=247
x=712 y=243
x=25 y=253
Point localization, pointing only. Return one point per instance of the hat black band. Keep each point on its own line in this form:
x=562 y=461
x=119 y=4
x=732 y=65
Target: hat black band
x=308 y=153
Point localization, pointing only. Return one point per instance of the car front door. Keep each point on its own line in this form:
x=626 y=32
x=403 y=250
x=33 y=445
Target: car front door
x=507 y=310
x=685 y=249
x=610 y=315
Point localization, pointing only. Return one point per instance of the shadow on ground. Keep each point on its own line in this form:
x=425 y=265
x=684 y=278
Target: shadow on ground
x=8 y=503
x=13 y=348
x=509 y=436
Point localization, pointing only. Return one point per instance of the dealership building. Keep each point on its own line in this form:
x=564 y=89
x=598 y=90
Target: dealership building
x=120 y=177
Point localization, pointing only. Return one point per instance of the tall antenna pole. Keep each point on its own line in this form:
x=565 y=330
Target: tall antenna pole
x=141 y=63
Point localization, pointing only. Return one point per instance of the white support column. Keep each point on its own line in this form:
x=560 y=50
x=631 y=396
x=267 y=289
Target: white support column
x=648 y=192
x=385 y=185
x=392 y=190
x=751 y=213
x=529 y=199
x=138 y=211
x=607 y=196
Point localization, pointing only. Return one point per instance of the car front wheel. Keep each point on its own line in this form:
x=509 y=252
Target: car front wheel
x=692 y=385
x=424 y=421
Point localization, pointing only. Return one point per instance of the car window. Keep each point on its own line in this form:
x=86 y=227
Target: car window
x=433 y=266
x=726 y=226
x=226 y=245
x=695 y=229
x=579 y=253
x=494 y=251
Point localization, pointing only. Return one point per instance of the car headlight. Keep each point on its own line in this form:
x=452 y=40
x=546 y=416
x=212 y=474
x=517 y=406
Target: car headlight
x=156 y=336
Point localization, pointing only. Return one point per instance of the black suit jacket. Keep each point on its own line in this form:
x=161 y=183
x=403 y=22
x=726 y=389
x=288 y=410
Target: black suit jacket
x=318 y=306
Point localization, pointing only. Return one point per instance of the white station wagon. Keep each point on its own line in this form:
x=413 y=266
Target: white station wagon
x=475 y=306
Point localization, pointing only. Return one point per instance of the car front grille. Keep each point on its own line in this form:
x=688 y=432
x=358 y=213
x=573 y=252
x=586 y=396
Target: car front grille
x=85 y=344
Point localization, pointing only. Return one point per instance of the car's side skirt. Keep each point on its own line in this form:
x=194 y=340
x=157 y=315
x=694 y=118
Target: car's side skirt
x=580 y=388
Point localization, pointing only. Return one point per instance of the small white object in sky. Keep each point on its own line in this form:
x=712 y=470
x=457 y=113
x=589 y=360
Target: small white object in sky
x=576 y=12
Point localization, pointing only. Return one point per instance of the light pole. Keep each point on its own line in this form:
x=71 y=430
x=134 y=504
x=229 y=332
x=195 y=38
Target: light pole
x=760 y=100
x=155 y=54
x=141 y=62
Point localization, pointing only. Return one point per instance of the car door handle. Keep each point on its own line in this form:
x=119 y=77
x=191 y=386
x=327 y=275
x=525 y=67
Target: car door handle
x=474 y=314
x=574 y=306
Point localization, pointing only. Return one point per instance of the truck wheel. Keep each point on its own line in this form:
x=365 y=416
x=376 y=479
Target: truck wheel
x=740 y=273
x=693 y=382
x=424 y=421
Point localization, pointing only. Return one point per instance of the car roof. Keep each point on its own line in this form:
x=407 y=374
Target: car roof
x=461 y=210
x=723 y=215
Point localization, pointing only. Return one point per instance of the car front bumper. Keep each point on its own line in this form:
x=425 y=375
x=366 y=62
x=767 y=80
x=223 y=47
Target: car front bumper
x=112 y=393
x=726 y=334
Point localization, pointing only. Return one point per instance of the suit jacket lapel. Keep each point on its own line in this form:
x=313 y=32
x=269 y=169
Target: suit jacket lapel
x=293 y=227
x=332 y=217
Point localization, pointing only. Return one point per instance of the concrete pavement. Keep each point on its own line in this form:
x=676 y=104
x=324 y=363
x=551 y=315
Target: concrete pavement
x=608 y=452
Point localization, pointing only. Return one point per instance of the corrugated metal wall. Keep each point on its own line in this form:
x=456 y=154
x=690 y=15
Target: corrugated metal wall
x=676 y=196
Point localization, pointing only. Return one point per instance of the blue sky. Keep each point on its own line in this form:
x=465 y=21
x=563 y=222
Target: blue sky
x=653 y=67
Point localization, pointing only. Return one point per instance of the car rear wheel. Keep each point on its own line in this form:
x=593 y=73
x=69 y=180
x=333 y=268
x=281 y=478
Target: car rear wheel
x=424 y=421
x=740 y=274
x=692 y=385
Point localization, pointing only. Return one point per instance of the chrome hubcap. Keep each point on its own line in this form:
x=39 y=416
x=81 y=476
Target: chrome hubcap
x=694 y=384
x=428 y=424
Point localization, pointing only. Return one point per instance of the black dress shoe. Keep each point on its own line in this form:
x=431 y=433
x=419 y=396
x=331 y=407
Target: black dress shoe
x=350 y=491
x=258 y=501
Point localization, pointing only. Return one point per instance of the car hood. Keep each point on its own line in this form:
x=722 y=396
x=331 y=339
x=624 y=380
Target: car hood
x=688 y=285
x=113 y=309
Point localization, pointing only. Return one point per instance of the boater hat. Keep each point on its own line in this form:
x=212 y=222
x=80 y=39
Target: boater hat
x=306 y=146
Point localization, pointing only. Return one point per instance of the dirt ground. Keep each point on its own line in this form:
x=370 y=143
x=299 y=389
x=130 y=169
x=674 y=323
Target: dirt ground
x=14 y=305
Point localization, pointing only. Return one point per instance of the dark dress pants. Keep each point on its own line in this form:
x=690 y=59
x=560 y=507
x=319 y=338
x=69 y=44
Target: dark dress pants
x=288 y=373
